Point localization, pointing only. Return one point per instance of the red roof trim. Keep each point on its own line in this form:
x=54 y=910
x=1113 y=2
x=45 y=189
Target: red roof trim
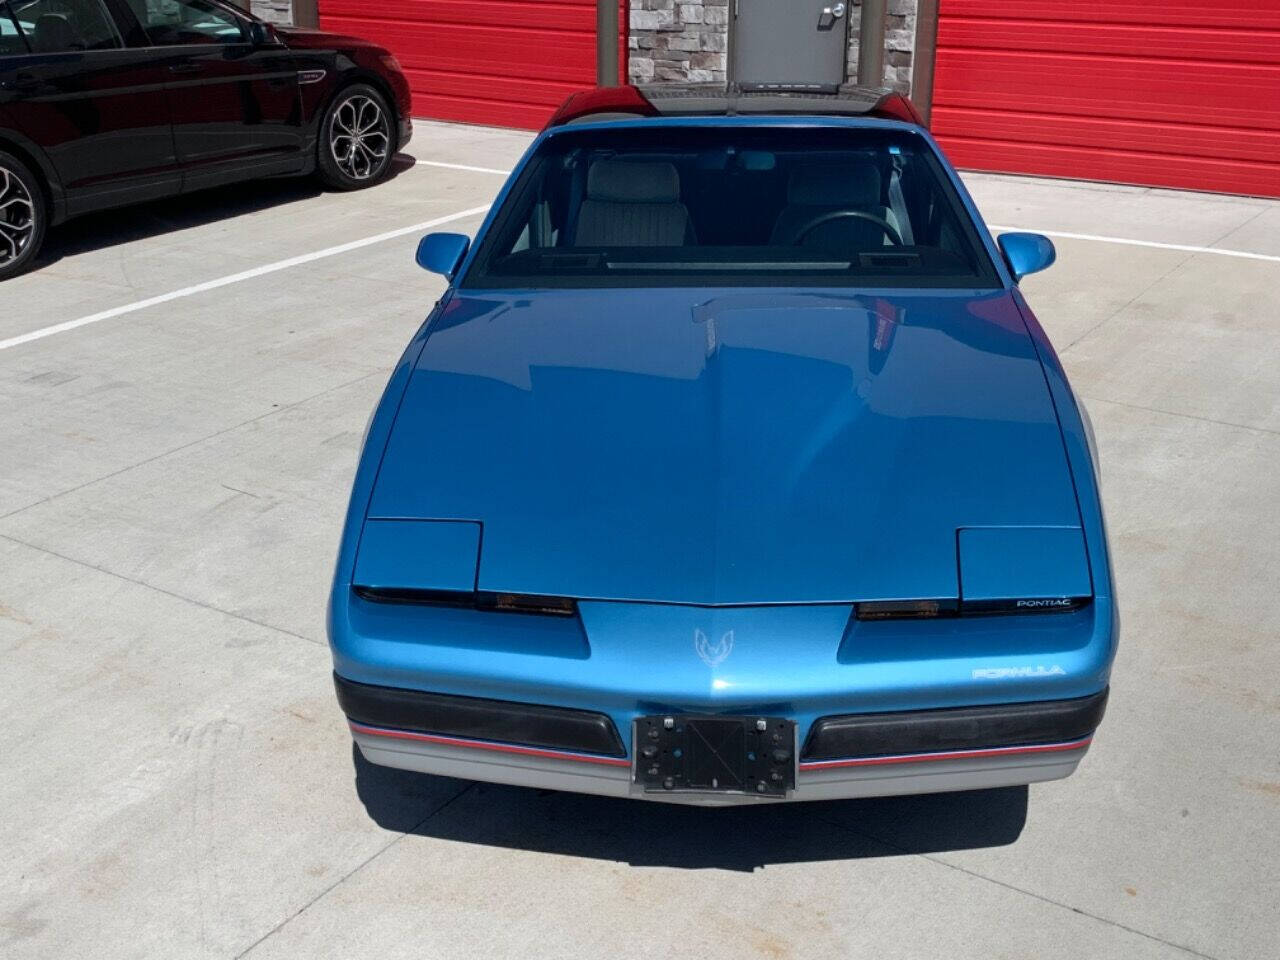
x=603 y=100
x=894 y=106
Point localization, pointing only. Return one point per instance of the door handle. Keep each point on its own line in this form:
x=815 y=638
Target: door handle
x=829 y=15
x=21 y=83
x=186 y=68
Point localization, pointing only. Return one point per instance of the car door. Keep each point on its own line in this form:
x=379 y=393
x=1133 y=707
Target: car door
x=236 y=105
x=97 y=109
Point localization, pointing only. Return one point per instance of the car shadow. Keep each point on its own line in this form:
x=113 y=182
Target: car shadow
x=693 y=838
x=155 y=218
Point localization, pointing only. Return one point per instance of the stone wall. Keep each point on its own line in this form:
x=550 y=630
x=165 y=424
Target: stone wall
x=687 y=40
x=274 y=11
x=899 y=42
x=682 y=40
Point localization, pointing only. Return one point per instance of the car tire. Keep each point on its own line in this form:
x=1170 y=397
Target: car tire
x=357 y=139
x=24 y=216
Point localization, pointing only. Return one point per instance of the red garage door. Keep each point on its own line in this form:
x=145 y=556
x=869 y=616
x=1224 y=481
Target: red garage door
x=1173 y=93
x=501 y=62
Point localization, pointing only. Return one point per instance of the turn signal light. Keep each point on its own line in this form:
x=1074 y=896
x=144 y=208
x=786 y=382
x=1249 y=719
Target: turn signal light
x=905 y=609
x=501 y=602
x=523 y=603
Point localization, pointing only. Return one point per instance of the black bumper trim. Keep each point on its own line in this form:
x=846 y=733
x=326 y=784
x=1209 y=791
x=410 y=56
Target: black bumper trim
x=957 y=728
x=527 y=724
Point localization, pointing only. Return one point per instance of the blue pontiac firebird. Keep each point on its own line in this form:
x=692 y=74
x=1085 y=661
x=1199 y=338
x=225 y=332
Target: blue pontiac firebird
x=731 y=467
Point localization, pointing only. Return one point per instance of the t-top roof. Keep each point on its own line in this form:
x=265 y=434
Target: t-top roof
x=718 y=100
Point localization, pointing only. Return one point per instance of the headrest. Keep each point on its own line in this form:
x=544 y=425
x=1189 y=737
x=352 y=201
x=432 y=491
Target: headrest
x=53 y=32
x=622 y=181
x=832 y=185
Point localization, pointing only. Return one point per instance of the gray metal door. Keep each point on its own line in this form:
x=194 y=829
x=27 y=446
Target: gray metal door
x=789 y=44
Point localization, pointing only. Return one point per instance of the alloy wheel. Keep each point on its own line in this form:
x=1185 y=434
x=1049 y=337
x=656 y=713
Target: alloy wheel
x=17 y=217
x=360 y=137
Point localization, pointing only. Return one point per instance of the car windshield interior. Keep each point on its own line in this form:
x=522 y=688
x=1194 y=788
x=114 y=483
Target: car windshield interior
x=705 y=205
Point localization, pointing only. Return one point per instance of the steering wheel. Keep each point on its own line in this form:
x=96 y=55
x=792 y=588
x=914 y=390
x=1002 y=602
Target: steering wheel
x=817 y=221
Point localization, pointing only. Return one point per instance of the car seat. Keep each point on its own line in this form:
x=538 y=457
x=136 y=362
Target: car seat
x=632 y=204
x=814 y=190
x=53 y=33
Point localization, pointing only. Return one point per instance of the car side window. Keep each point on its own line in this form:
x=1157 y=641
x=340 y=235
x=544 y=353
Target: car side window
x=170 y=23
x=11 y=42
x=60 y=26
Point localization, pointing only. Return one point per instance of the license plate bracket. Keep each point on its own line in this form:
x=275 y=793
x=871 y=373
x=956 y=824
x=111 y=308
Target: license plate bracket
x=715 y=754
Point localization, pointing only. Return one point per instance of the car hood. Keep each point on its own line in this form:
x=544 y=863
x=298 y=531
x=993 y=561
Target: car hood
x=305 y=38
x=726 y=447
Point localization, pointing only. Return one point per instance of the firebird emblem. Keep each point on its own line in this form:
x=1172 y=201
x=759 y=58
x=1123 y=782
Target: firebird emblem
x=712 y=654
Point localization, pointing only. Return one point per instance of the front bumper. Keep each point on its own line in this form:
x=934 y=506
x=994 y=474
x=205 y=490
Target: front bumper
x=861 y=755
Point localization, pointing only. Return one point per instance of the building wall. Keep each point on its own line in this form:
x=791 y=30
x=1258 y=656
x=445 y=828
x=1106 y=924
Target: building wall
x=1180 y=93
x=688 y=40
x=899 y=39
x=681 y=41
x=274 y=11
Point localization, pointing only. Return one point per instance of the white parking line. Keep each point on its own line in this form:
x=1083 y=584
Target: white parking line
x=1245 y=254
x=235 y=278
x=460 y=166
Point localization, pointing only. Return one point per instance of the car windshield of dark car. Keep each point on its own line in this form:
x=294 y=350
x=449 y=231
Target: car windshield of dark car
x=726 y=205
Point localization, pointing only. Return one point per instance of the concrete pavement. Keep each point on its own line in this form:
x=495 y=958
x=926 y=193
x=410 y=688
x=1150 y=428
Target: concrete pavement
x=179 y=782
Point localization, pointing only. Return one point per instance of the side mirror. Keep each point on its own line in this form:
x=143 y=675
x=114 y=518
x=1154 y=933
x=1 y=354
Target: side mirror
x=1026 y=253
x=442 y=253
x=262 y=34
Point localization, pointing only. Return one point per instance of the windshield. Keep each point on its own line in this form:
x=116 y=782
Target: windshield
x=784 y=206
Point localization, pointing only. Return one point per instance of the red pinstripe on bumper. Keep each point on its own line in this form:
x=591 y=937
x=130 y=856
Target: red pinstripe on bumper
x=944 y=755
x=488 y=745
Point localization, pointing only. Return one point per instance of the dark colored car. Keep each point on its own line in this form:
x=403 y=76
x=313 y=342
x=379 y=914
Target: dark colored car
x=110 y=102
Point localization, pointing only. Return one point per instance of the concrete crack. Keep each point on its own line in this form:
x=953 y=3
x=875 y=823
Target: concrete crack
x=352 y=872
